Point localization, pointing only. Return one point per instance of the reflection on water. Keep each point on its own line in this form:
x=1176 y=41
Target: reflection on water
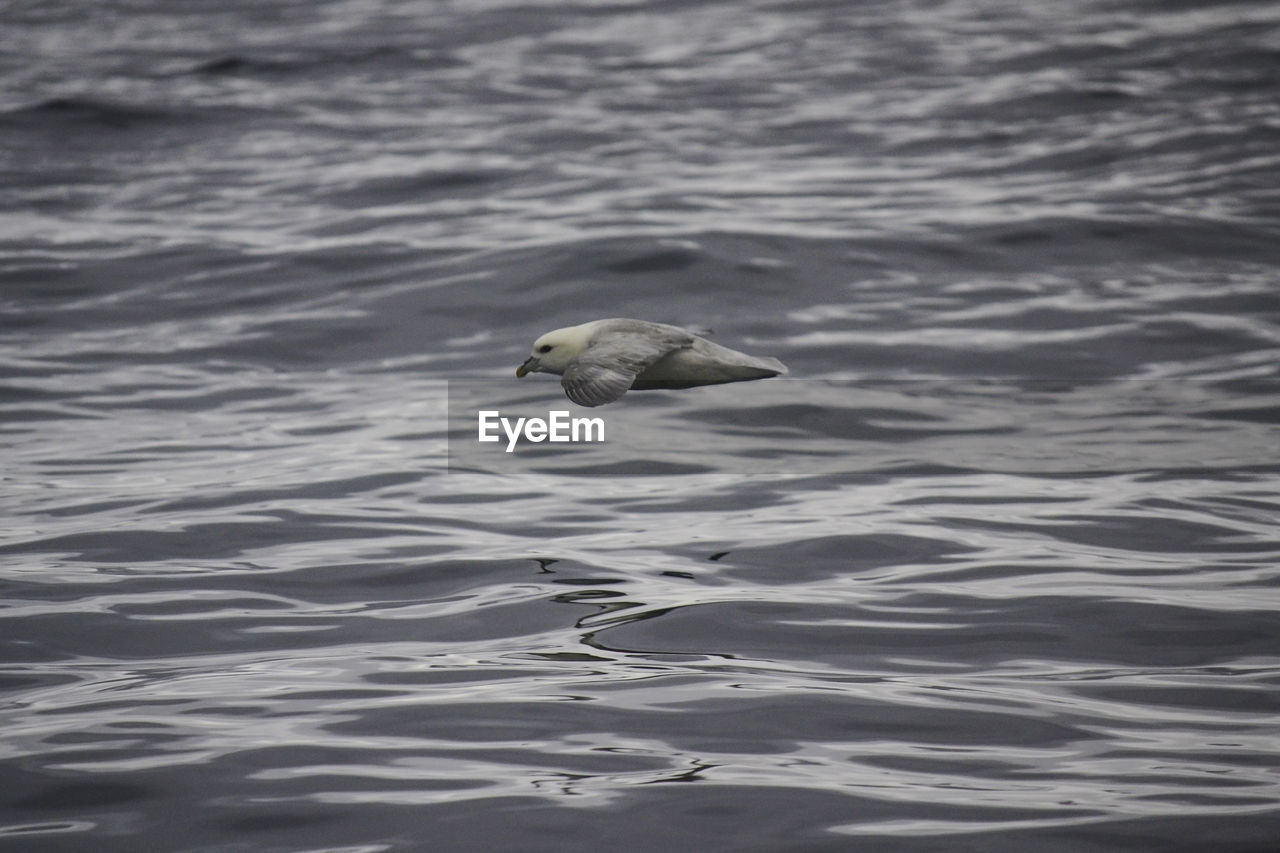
x=977 y=607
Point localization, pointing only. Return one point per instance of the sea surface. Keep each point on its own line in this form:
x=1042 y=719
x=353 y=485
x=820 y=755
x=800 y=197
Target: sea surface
x=995 y=568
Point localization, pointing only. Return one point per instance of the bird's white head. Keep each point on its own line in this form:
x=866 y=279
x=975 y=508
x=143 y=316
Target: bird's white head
x=553 y=351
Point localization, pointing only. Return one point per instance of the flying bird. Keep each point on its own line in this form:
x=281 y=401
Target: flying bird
x=600 y=361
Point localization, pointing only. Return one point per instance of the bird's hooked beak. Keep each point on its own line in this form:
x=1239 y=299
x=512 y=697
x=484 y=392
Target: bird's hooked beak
x=529 y=366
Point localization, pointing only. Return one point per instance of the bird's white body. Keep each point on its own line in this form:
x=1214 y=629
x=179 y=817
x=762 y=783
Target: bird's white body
x=601 y=360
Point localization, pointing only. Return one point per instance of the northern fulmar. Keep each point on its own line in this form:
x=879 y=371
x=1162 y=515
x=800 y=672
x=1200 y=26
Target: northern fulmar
x=600 y=361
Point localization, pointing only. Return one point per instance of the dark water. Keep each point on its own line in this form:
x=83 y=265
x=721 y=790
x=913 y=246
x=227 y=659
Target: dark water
x=995 y=569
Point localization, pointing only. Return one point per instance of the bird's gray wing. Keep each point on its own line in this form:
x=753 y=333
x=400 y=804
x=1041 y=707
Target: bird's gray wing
x=606 y=368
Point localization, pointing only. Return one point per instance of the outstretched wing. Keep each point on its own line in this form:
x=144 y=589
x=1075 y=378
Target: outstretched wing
x=616 y=355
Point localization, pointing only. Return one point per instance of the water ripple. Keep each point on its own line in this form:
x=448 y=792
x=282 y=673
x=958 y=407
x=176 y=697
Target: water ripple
x=995 y=566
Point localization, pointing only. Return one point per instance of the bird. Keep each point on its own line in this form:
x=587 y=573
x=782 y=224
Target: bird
x=601 y=360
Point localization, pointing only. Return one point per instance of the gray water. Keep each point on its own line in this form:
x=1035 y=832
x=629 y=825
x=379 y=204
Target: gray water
x=995 y=568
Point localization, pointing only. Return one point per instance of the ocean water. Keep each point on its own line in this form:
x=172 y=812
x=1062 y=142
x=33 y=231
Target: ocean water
x=996 y=567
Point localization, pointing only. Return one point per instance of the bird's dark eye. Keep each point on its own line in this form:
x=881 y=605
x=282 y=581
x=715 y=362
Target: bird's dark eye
x=545 y=348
